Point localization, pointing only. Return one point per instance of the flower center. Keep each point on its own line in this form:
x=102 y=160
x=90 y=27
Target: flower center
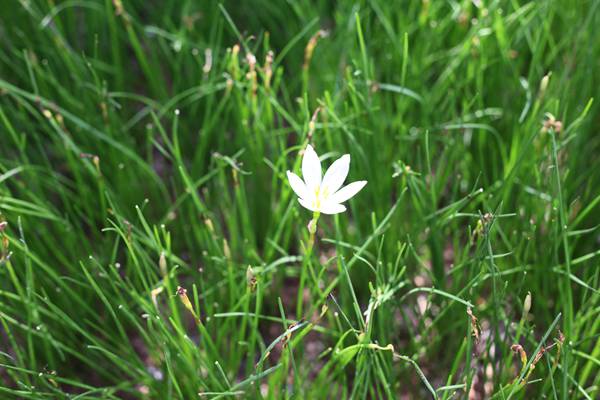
x=321 y=194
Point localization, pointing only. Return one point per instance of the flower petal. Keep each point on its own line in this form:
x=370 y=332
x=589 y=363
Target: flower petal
x=311 y=169
x=332 y=208
x=297 y=185
x=347 y=191
x=307 y=204
x=336 y=175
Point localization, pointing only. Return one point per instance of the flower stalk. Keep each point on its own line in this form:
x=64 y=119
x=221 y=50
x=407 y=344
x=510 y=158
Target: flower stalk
x=312 y=230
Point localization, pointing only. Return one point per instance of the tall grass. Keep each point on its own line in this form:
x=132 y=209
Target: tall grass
x=152 y=247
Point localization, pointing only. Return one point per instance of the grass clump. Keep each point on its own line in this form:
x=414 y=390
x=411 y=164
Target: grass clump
x=151 y=246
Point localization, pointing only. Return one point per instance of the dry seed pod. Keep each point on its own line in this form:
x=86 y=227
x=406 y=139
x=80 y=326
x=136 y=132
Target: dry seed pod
x=251 y=278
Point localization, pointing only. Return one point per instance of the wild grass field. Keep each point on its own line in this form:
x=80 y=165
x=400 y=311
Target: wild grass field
x=151 y=246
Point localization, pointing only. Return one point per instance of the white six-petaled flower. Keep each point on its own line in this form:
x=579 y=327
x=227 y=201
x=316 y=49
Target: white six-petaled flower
x=322 y=193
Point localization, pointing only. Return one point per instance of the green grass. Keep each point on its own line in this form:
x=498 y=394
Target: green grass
x=143 y=148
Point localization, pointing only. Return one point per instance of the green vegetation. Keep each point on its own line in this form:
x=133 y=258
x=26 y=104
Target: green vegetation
x=152 y=248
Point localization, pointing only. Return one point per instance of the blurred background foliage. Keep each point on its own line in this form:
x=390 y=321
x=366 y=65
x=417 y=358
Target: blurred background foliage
x=144 y=144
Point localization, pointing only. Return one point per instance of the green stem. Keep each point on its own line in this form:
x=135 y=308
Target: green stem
x=306 y=264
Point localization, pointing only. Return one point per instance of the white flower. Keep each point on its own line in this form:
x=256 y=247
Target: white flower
x=323 y=194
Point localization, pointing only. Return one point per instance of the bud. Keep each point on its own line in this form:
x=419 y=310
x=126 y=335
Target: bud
x=268 y=68
x=104 y=110
x=182 y=293
x=313 y=124
x=154 y=294
x=118 y=7
x=527 y=305
x=312 y=226
x=96 y=161
x=208 y=61
x=209 y=225
x=162 y=263
x=324 y=310
x=226 y=250
x=310 y=47
x=3 y=226
x=251 y=59
x=544 y=83
x=251 y=75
